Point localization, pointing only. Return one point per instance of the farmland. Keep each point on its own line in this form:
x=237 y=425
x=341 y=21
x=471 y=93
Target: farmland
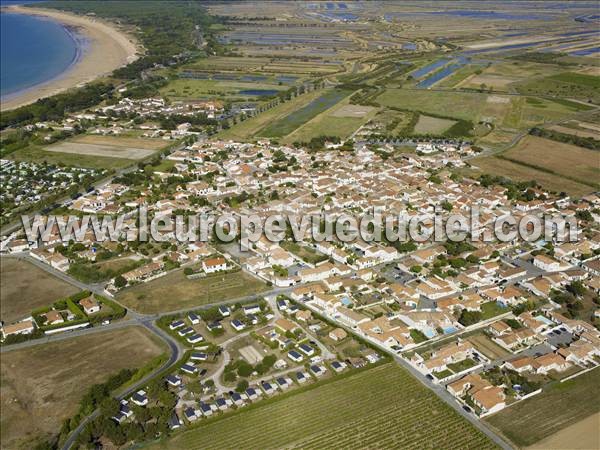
x=42 y=385
x=567 y=84
x=184 y=89
x=289 y=123
x=342 y=413
x=251 y=127
x=20 y=296
x=518 y=172
x=530 y=421
x=563 y=160
x=341 y=120
x=112 y=147
x=175 y=291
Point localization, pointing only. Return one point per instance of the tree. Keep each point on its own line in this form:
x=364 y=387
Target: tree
x=242 y=386
x=469 y=317
x=120 y=281
x=416 y=269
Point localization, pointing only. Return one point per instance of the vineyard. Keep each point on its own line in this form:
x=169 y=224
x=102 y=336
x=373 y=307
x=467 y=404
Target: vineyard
x=383 y=407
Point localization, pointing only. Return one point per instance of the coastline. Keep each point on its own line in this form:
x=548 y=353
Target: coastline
x=104 y=49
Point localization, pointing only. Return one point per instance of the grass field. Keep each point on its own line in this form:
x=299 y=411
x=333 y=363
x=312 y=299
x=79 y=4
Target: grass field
x=42 y=385
x=383 y=407
x=560 y=405
x=174 y=291
x=106 y=146
x=250 y=127
x=299 y=117
x=19 y=296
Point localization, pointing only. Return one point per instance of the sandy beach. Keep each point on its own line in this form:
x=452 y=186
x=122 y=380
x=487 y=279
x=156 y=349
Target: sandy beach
x=108 y=48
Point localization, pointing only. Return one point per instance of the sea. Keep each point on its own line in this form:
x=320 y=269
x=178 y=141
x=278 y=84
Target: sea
x=33 y=50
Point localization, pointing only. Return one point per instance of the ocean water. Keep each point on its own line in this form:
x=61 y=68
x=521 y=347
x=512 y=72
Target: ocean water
x=33 y=50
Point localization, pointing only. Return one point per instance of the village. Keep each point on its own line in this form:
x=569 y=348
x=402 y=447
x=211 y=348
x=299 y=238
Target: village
x=490 y=321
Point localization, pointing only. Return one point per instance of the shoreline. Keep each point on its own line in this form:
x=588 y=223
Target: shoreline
x=101 y=48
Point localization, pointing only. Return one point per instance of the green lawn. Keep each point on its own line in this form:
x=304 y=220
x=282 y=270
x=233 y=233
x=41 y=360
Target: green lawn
x=307 y=254
x=559 y=406
x=175 y=291
x=491 y=309
x=381 y=407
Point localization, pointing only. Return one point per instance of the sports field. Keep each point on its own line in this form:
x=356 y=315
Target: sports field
x=19 y=296
x=41 y=386
x=558 y=407
x=382 y=407
x=175 y=291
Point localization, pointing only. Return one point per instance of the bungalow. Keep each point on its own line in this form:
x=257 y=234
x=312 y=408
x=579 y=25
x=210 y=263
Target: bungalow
x=283 y=383
x=338 y=334
x=237 y=325
x=174 y=380
x=295 y=356
x=221 y=404
x=252 y=393
x=25 y=327
x=195 y=338
x=53 y=317
x=282 y=305
x=193 y=318
x=301 y=377
x=546 y=263
x=317 y=370
x=351 y=317
x=303 y=315
x=285 y=325
x=338 y=366
x=521 y=364
x=214 y=326
x=90 y=305
x=225 y=311
x=199 y=356
x=174 y=421
x=551 y=361
x=140 y=398
x=205 y=409
x=267 y=388
x=306 y=349
x=212 y=265
x=237 y=399
x=251 y=309
x=189 y=369
x=490 y=399
x=176 y=324
x=186 y=330
x=190 y=414
x=498 y=328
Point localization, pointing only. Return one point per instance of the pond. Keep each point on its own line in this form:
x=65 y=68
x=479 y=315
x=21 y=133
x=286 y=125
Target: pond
x=259 y=92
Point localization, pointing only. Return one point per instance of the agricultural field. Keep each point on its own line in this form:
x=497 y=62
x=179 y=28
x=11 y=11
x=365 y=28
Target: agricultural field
x=251 y=127
x=106 y=146
x=186 y=89
x=495 y=166
x=341 y=120
x=36 y=154
x=345 y=412
x=559 y=406
x=175 y=291
x=41 y=386
x=432 y=125
x=582 y=435
x=564 y=160
x=566 y=84
x=297 y=118
x=20 y=296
